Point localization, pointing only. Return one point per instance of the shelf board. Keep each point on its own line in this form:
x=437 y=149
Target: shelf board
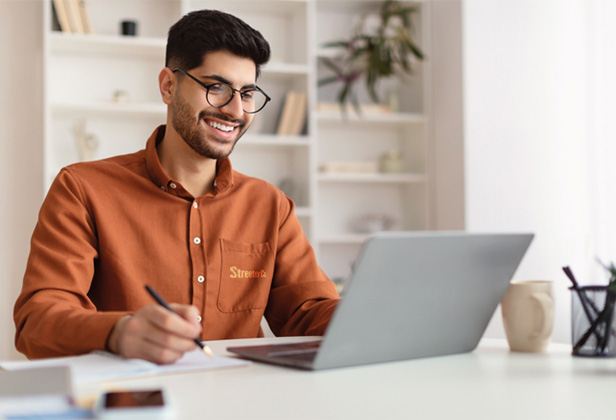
x=94 y=44
x=336 y=117
x=372 y=178
x=303 y=211
x=110 y=108
x=343 y=239
x=275 y=140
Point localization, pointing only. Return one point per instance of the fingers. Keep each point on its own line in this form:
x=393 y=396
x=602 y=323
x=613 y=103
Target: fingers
x=155 y=334
x=188 y=312
x=184 y=323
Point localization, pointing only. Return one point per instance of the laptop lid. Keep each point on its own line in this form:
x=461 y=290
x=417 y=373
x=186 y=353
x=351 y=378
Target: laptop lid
x=420 y=294
x=411 y=295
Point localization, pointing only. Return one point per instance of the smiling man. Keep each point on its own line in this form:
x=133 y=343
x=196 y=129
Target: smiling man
x=226 y=248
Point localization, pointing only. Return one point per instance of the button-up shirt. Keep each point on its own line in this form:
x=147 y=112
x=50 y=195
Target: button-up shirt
x=107 y=228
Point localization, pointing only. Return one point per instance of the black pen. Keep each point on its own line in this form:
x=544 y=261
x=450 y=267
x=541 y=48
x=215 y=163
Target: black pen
x=165 y=305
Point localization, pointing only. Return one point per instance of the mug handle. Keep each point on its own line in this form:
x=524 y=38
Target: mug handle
x=547 y=315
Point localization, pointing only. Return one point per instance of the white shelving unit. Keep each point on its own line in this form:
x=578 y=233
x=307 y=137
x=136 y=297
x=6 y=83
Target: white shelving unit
x=345 y=200
x=82 y=72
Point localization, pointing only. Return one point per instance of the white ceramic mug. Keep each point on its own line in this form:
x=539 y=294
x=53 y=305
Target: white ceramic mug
x=528 y=315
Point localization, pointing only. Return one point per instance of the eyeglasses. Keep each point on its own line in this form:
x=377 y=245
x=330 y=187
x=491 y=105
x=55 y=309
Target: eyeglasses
x=220 y=94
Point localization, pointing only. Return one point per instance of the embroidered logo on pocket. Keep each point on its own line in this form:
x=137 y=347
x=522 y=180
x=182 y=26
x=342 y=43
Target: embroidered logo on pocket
x=236 y=273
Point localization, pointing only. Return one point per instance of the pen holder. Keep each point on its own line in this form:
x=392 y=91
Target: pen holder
x=592 y=321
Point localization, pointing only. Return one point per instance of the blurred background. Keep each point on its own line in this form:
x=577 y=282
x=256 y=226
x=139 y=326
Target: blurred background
x=516 y=99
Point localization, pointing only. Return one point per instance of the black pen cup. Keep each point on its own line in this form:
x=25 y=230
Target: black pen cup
x=593 y=333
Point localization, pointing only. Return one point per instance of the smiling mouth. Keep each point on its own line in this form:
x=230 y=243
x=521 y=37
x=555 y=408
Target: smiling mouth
x=221 y=127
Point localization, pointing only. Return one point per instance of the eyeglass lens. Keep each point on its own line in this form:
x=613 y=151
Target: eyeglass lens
x=220 y=94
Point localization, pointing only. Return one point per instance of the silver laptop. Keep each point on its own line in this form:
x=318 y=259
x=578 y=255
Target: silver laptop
x=410 y=295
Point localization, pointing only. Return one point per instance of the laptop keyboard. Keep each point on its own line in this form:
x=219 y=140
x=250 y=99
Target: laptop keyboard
x=308 y=348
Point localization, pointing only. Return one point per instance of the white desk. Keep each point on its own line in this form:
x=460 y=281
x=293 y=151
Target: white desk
x=489 y=383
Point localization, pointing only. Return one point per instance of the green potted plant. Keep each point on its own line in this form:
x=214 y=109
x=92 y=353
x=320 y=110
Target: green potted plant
x=373 y=54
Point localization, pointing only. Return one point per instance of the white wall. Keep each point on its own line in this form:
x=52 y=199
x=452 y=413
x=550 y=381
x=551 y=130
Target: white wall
x=21 y=122
x=603 y=130
x=527 y=101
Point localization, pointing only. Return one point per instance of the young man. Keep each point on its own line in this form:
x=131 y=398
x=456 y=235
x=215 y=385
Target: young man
x=226 y=247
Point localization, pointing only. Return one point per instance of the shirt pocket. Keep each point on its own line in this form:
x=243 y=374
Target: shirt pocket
x=245 y=277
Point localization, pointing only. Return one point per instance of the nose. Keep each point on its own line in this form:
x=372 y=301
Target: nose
x=234 y=108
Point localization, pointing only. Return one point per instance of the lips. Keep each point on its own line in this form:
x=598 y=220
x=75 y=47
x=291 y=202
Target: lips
x=220 y=126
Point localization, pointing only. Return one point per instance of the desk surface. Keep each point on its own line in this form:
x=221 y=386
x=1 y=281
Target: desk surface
x=489 y=383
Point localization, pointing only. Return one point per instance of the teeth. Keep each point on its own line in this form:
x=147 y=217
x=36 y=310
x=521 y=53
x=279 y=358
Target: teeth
x=220 y=126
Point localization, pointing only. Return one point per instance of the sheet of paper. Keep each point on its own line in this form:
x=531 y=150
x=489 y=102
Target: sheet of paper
x=99 y=366
x=197 y=360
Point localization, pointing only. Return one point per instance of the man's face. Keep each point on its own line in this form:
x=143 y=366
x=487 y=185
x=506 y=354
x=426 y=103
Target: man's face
x=209 y=131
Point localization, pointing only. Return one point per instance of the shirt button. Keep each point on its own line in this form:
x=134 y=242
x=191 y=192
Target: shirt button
x=200 y=279
x=172 y=185
x=162 y=187
x=195 y=205
x=199 y=318
x=197 y=240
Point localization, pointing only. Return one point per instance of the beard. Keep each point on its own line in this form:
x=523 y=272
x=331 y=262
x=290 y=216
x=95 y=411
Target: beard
x=184 y=123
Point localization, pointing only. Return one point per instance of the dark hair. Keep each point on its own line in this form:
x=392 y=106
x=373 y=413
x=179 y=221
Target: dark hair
x=204 y=31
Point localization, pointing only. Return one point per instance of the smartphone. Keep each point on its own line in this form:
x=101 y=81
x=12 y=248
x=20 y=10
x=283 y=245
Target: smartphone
x=134 y=404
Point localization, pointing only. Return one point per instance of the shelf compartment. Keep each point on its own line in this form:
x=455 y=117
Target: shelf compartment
x=109 y=109
x=403 y=205
x=116 y=45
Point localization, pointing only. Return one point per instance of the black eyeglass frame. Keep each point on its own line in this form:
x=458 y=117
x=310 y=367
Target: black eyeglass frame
x=233 y=90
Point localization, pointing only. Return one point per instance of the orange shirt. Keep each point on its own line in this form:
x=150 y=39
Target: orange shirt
x=108 y=228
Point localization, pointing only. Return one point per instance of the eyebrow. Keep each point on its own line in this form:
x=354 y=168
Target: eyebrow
x=227 y=81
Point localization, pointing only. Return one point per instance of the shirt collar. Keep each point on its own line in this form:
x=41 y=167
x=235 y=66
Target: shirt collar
x=224 y=171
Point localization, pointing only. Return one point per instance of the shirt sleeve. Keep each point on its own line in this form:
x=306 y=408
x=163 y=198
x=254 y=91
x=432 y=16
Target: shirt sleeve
x=302 y=299
x=53 y=314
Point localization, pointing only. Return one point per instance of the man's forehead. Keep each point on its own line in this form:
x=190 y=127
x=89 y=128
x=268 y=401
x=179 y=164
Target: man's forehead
x=237 y=69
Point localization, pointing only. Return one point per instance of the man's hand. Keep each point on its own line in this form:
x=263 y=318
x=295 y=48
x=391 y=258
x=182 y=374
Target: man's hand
x=155 y=334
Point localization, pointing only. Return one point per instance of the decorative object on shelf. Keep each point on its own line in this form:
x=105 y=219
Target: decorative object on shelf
x=87 y=143
x=393 y=101
x=128 y=27
x=374 y=54
x=391 y=162
x=349 y=167
x=120 y=96
x=372 y=223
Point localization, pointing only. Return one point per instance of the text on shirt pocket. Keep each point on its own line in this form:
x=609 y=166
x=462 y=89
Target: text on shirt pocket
x=246 y=276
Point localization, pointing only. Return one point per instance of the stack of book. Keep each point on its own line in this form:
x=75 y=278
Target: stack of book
x=71 y=16
x=293 y=114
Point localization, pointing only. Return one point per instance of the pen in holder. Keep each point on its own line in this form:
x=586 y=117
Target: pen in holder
x=592 y=319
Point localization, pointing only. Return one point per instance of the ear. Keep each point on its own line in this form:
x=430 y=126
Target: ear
x=167 y=83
